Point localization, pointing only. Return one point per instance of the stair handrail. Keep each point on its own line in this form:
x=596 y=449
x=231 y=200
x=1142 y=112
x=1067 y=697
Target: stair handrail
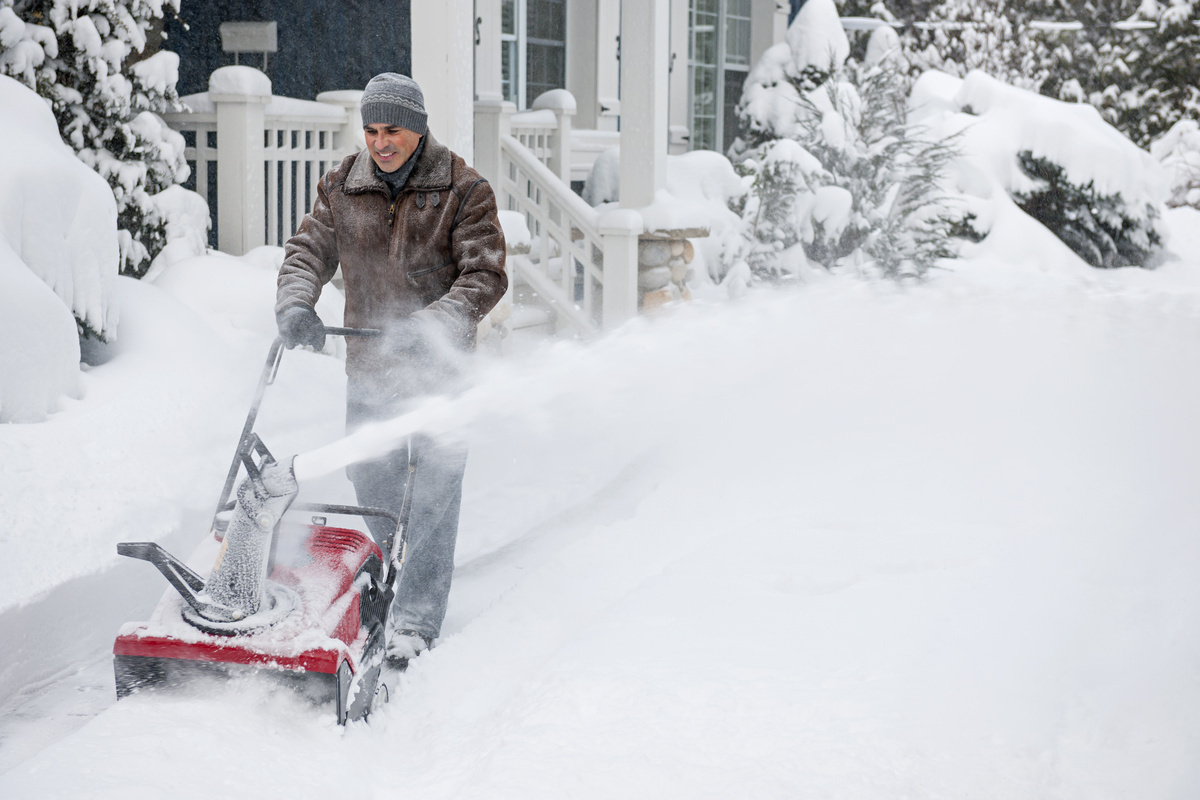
x=563 y=226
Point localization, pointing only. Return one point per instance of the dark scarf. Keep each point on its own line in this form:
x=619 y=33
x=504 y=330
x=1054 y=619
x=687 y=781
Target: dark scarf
x=395 y=180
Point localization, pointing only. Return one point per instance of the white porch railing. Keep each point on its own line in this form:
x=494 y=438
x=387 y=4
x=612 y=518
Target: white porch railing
x=535 y=130
x=257 y=158
x=582 y=264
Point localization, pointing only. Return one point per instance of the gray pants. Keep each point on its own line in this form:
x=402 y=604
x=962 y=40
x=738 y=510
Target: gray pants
x=424 y=588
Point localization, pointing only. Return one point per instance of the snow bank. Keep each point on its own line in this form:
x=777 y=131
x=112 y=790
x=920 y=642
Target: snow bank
x=58 y=221
x=39 y=356
x=235 y=296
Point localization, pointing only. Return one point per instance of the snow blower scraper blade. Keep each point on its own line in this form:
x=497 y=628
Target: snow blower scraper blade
x=317 y=618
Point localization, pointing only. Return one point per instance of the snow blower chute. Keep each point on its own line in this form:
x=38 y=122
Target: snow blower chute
x=318 y=616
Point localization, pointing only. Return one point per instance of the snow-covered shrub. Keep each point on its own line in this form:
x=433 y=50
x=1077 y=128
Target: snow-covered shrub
x=861 y=184
x=1179 y=152
x=1102 y=229
x=82 y=56
x=1060 y=161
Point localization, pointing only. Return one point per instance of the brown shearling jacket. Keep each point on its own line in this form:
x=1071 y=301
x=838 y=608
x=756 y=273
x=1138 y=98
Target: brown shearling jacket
x=436 y=253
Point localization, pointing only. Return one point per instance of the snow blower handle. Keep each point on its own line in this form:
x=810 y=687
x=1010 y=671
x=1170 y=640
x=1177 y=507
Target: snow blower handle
x=245 y=443
x=368 y=333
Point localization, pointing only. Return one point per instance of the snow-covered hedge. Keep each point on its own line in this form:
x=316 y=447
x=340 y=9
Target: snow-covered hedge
x=58 y=236
x=1099 y=192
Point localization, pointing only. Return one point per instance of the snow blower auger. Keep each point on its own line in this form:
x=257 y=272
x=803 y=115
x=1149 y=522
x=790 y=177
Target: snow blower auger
x=308 y=602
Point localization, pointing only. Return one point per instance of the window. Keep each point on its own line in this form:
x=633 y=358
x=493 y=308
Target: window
x=533 y=49
x=719 y=61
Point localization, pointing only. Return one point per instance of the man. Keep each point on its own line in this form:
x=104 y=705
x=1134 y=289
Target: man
x=418 y=238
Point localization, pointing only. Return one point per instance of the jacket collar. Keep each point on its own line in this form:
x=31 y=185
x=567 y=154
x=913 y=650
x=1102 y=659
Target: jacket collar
x=432 y=172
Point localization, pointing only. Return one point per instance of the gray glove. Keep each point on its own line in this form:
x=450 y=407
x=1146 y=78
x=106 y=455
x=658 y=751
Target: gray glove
x=300 y=325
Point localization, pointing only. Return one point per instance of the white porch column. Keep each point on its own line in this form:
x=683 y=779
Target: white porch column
x=489 y=93
x=443 y=34
x=645 y=53
x=608 y=29
x=240 y=95
x=620 y=229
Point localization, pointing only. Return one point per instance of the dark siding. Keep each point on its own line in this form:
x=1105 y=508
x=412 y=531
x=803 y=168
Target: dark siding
x=323 y=44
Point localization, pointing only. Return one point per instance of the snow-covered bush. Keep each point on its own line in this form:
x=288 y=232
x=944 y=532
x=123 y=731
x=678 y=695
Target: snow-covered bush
x=58 y=257
x=1179 y=152
x=82 y=56
x=1061 y=162
x=1102 y=229
x=859 y=184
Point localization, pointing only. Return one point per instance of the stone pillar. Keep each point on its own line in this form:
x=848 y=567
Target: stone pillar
x=443 y=36
x=240 y=95
x=620 y=229
x=562 y=103
x=664 y=266
x=645 y=55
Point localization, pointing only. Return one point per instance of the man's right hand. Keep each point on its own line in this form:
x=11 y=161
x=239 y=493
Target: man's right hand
x=300 y=325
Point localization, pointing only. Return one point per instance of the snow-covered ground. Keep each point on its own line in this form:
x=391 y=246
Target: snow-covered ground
x=846 y=540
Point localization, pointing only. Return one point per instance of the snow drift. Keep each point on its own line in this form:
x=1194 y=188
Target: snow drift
x=58 y=223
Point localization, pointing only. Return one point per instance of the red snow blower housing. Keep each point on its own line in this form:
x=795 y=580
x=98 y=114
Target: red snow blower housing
x=307 y=601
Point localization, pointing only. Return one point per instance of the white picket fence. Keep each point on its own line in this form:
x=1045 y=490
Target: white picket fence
x=257 y=158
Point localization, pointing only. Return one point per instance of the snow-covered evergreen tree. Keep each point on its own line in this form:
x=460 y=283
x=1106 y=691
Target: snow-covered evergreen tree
x=958 y=36
x=82 y=57
x=1138 y=62
x=837 y=168
x=1102 y=229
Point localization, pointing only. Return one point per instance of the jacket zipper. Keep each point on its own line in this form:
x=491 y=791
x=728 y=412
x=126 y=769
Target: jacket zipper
x=391 y=213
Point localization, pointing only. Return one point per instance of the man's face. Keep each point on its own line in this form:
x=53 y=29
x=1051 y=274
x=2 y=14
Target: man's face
x=390 y=145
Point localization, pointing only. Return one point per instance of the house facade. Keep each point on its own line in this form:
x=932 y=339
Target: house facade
x=513 y=51
x=530 y=91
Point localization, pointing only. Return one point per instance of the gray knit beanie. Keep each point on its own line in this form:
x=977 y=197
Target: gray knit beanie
x=394 y=99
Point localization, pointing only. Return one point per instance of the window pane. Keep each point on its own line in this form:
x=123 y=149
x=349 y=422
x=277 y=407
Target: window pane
x=546 y=69
x=704 y=19
x=547 y=19
x=508 y=70
x=737 y=32
x=508 y=17
x=734 y=78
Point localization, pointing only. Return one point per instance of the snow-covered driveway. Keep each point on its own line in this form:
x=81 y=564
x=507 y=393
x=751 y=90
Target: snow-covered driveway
x=849 y=541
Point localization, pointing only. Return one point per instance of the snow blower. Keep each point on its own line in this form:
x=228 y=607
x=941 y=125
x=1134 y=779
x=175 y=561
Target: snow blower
x=309 y=602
